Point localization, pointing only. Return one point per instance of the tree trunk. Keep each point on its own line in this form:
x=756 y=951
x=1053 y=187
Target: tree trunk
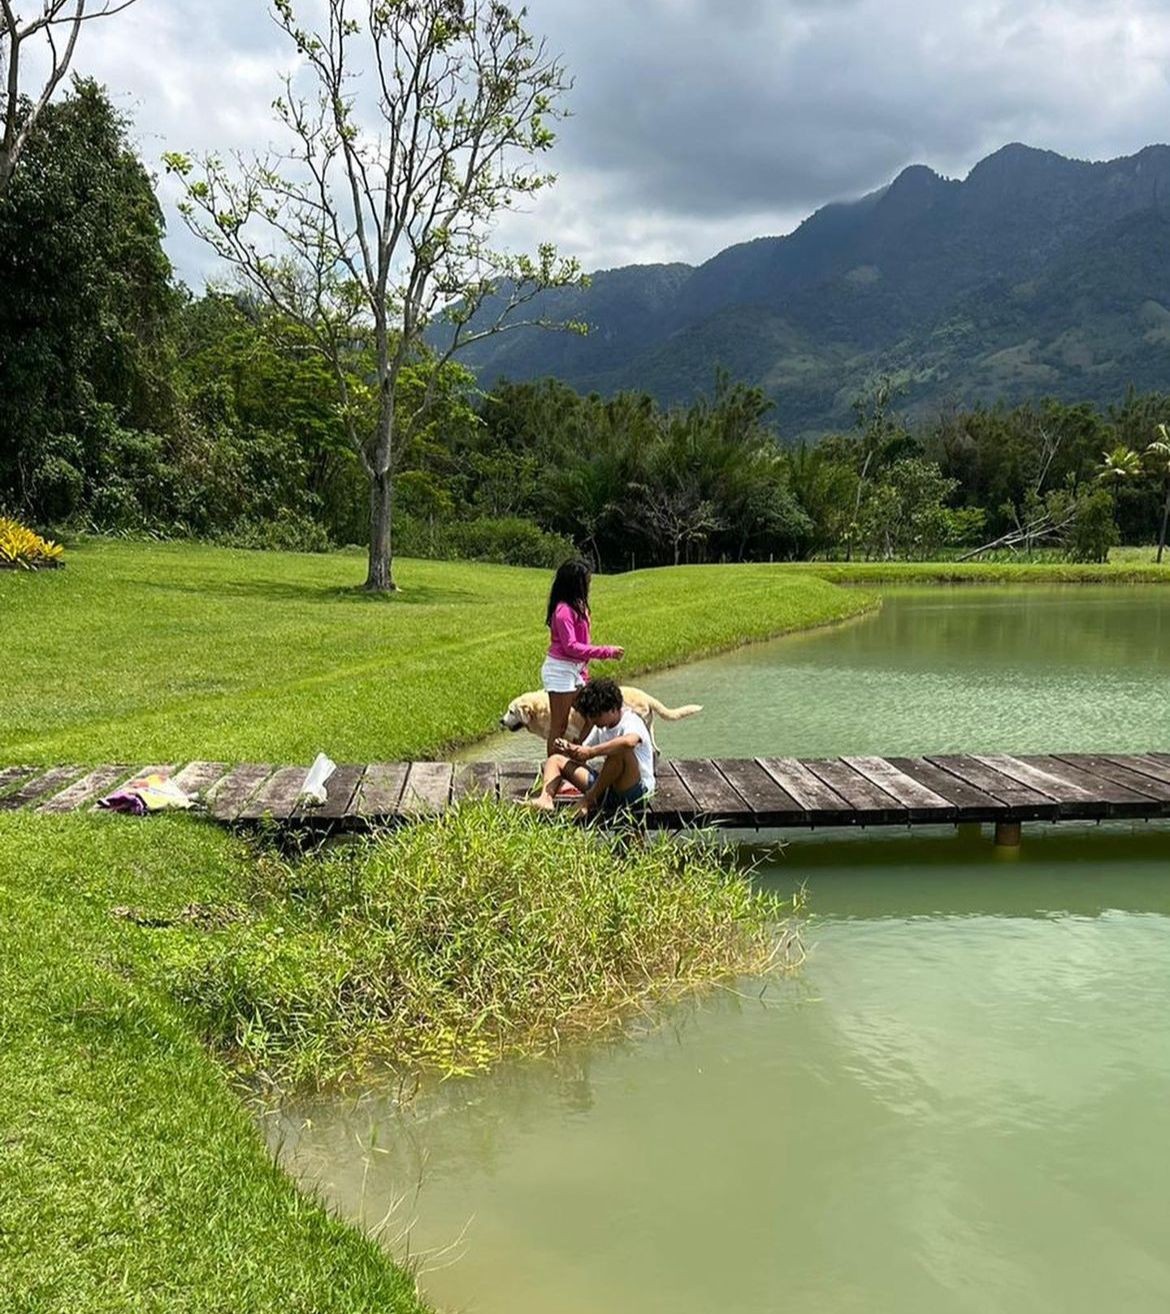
x=1165 y=518
x=379 y=578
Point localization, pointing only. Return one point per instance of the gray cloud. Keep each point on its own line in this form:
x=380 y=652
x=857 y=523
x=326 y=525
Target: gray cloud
x=697 y=123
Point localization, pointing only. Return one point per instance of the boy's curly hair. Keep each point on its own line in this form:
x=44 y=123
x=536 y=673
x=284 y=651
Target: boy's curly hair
x=599 y=697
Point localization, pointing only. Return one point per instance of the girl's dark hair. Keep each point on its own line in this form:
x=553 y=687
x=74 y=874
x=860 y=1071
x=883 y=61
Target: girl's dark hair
x=571 y=585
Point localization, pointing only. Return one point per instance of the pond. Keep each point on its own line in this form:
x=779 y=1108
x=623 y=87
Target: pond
x=959 y=1105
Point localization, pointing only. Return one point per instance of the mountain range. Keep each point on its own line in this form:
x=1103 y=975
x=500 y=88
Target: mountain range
x=1035 y=275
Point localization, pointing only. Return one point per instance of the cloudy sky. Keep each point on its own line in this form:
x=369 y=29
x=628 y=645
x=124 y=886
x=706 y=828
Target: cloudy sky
x=698 y=123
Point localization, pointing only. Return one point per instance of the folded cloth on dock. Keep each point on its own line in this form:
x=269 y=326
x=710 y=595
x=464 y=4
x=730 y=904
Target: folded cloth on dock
x=152 y=793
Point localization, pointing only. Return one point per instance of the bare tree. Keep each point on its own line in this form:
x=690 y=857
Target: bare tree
x=676 y=513
x=375 y=223
x=55 y=30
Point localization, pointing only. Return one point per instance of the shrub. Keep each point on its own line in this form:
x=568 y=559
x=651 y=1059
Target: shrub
x=1093 y=531
x=114 y=506
x=506 y=541
x=20 y=548
x=510 y=541
x=57 y=486
x=290 y=531
x=457 y=941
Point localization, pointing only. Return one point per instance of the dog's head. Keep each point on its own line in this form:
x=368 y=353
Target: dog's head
x=517 y=716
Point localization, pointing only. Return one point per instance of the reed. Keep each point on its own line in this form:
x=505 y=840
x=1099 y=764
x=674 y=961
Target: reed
x=449 y=945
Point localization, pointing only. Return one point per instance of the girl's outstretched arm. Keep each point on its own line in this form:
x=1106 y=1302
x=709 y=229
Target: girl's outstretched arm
x=565 y=640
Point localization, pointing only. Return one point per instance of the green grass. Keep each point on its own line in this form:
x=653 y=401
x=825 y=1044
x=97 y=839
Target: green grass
x=1126 y=565
x=133 y=1177
x=483 y=934
x=165 y=652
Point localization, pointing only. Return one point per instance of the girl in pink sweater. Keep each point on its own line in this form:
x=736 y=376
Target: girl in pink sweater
x=566 y=668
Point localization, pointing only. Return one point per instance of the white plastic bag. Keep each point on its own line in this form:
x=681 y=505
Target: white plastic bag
x=313 y=790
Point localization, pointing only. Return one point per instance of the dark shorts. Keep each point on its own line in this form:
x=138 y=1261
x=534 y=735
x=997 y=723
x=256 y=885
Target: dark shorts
x=613 y=799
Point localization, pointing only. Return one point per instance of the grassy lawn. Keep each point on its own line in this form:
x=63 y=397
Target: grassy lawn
x=134 y=1179
x=133 y=1176
x=162 y=652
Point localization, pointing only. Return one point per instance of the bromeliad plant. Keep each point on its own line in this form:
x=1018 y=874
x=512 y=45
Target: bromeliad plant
x=22 y=549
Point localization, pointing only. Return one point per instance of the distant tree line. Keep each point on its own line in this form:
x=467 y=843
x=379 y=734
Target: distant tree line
x=127 y=404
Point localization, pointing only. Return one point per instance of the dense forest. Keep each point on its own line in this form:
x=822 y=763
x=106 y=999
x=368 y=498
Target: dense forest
x=130 y=405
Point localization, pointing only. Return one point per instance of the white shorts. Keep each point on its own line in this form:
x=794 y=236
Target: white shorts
x=558 y=676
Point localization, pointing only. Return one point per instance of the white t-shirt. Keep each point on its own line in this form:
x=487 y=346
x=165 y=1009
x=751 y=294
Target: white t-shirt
x=630 y=724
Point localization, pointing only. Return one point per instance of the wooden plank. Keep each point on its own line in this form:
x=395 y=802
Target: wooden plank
x=379 y=791
x=713 y=796
x=970 y=804
x=822 y=805
x=428 y=788
x=475 y=780
x=197 y=778
x=340 y=790
x=225 y=799
x=1117 y=773
x=43 y=785
x=770 y=805
x=1102 y=797
x=276 y=797
x=1020 y=802
x=921 y=802
x=90 y=787
x=1035 y=777
x=1145 y=764
x=12 y=776
x=518 y=781
x=871 y=804
x=671 y=804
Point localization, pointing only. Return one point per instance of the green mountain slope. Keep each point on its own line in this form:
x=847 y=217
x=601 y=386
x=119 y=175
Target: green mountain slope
x=1034 y=274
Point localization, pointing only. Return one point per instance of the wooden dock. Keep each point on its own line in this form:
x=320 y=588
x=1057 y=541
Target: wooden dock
x=740 y=793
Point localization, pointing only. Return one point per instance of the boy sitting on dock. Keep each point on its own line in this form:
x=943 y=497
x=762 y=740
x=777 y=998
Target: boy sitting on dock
x=617 y=743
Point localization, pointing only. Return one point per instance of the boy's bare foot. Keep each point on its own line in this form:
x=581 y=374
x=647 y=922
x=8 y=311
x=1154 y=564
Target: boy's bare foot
x=542 y=803
x=580 y=814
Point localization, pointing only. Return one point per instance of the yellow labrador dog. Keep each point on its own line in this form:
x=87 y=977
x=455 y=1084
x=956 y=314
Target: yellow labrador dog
x=530 y=712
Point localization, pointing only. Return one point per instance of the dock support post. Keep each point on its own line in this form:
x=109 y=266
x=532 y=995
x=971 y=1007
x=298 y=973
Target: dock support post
x=1007 y=836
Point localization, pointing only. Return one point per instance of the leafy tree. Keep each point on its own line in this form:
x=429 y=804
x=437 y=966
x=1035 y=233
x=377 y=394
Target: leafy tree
x=904 y=512
x=1157 y=462
x=1093 y=530
x=370 y=235
x=86 y=307
x=1120 y=464
x=53 y=34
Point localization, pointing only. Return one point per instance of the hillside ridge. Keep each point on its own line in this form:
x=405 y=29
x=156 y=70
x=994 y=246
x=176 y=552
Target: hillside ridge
x=1035 y=272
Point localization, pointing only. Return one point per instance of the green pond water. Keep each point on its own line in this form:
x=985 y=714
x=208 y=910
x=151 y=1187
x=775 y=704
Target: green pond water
x=961 y=1104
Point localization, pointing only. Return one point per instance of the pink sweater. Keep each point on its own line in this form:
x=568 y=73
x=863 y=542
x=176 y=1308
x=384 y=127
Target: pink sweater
x=570 y=638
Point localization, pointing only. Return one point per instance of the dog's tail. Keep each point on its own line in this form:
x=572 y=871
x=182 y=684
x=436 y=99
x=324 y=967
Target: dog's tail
x=672 y=713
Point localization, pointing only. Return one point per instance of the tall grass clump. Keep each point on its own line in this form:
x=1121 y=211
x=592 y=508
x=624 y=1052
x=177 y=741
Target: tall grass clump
x=453 y=943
